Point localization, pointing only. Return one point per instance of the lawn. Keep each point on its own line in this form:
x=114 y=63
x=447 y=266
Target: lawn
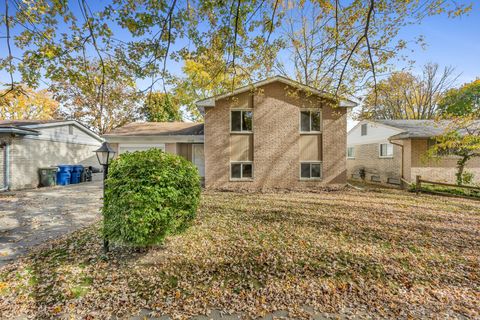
x=389 y=253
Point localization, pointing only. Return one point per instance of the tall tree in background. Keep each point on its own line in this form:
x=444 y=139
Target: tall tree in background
x=26 y=104
x=101 y=96
x=143 y=36
x=406 y=96
x=462 y=101
x=160 y=107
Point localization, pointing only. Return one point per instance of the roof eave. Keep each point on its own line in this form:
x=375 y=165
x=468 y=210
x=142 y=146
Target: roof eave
x=23 y=132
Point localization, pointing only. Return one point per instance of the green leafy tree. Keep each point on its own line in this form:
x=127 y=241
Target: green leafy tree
x=161 y=107
x=462 y=101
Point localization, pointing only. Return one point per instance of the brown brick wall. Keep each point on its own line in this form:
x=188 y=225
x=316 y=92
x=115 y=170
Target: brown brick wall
x=276 y=139
x=437 y=170
x=367 y=157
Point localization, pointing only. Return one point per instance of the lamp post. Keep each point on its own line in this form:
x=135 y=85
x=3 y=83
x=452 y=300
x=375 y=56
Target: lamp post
x=105 y=155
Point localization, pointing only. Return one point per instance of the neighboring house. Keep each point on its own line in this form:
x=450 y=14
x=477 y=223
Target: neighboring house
x=274 y=133
x=182 y=138
x=27 y=145
x=386 y=151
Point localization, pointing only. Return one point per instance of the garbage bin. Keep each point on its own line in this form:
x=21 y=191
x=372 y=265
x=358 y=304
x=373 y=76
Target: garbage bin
x=76 y=174
x=48 y=176
x=64 y=174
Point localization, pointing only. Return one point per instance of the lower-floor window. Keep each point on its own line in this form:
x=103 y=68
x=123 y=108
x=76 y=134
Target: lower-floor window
x=310 y=170
x=241 y=170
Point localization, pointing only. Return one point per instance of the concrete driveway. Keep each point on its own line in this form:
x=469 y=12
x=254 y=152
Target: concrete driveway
x=31 y=217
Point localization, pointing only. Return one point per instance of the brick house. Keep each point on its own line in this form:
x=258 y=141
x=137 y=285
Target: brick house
x=27 y=145
x=274 y=133
x=385 y=151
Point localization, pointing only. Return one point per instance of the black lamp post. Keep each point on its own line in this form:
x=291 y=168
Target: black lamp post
x=105 y=155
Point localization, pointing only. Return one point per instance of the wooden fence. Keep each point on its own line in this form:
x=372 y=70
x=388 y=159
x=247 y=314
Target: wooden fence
x=419 y=181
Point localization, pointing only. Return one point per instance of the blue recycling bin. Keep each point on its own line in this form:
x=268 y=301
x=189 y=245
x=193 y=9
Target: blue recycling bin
x=76 y=174
x=64 y=174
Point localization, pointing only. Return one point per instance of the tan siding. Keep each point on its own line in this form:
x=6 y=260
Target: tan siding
x=241 y=147
x=310 y=147
x=171 y=148
x=185 y=150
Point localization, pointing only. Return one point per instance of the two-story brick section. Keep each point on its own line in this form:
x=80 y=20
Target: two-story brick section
x=276 y=133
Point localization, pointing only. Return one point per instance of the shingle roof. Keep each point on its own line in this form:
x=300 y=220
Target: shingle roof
x=157 y=128
x=416 y=129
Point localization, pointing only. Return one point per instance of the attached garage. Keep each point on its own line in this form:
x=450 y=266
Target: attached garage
x=182 y=138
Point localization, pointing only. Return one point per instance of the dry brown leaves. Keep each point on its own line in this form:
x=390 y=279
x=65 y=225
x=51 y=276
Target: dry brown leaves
x=391 y=253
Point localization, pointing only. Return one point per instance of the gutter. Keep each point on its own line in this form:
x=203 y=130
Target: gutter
x=6 y=171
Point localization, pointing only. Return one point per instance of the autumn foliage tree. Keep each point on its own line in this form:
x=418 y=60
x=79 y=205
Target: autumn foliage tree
x=24 y=103
x=404 y=95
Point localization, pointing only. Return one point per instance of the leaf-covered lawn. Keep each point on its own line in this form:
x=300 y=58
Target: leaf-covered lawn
x=390 y=253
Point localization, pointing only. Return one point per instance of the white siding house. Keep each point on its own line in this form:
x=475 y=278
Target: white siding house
x=26 y=146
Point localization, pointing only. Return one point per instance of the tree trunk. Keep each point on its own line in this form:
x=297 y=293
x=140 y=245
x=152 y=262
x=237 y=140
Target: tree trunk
x=460 y=168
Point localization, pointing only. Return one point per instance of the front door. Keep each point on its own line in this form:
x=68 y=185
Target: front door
x=199 y=158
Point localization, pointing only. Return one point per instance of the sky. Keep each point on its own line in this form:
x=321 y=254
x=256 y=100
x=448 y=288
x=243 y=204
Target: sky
x=450 y=42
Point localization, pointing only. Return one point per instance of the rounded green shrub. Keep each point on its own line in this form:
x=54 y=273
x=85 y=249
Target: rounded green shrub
x=149 y=195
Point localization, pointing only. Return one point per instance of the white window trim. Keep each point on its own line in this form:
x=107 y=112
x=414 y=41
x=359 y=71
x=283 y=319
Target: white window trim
x=241 y=122
x=380 y=151
x=300 y=120
x=310 y=179
x=241 y=171
x=353 y=156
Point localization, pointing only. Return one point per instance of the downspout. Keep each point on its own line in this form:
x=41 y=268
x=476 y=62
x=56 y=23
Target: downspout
x=6 y=171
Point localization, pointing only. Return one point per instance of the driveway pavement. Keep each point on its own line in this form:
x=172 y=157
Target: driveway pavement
x=31 y=217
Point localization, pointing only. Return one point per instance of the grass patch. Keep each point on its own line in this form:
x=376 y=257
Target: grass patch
x=391 y=253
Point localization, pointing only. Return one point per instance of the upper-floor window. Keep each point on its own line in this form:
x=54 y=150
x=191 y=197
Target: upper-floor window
x=364 y=129
x=386 y=150
x=351 y=152
x=310 y=121
x=241 y=121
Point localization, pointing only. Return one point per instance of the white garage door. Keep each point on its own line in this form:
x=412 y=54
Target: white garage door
x=131 y=147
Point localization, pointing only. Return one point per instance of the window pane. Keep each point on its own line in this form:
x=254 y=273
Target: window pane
x=305 y=121
x=364 y=129
x=305 y=170
x=236 y=170
x=350 y=152
x=382 y=150
x=236 y=120
x=389 y=150
x=247 y=171
x=315 y=121
x=247 y=120
x=315 y=170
